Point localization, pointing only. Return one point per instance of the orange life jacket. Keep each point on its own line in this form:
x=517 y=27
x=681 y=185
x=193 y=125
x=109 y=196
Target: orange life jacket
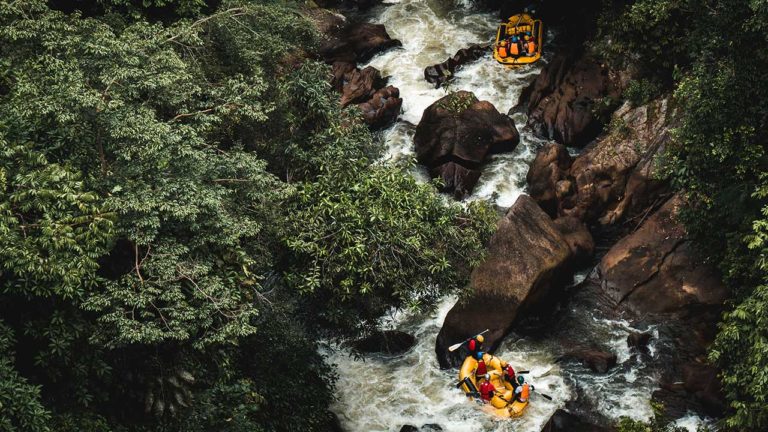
x=531 y=46
x=503 y=51
x=524 y=393
x=514 y=48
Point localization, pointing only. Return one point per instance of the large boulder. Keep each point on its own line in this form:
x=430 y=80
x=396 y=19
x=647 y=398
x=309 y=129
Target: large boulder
x=655 y=270
x=597 y=360
x=578 y=237
x=527 y=262
x=358 y=86
x=382 y=108
x=561 y=102
x=613 y=178
x=357 y=43
x=564 y=421
x=456 y=134
x=385 y=342
x=441 y=73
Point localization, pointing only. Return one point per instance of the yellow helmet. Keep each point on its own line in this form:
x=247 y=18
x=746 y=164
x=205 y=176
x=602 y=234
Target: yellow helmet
x=480 y=338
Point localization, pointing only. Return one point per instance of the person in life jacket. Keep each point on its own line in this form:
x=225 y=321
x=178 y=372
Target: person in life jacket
x=487 y=390
x=514 y=47
x=509 y=375
x=530 y=46
x=475 y=344
x=482 y=369
x=523 y=390
x=503 y=49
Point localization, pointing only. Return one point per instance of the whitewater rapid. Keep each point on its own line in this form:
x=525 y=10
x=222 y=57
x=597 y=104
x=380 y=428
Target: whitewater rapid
x=383 y=393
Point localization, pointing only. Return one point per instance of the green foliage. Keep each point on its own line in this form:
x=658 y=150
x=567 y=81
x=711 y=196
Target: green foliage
x=376 y=240
x=659 y=423
x=181 y=198
x=640 y=92
x=20 y=402
x=717 y=158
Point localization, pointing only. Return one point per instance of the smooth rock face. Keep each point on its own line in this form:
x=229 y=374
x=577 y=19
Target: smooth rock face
x=456 y=134
x=596 y=360
x=387 y=342
x=357 y=43
x=610 y=180
x=560 y=103
x=578 y=237
x=655 y=270
x=563 y=421
x=440 y=73
x=359 y=85
x=527 y=262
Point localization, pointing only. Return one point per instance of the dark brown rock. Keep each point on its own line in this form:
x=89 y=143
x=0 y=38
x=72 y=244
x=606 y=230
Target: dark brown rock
x=383 y=108
x=456 y=134
x=359 y=86
x=526 y=264
x=441 y=73
x=596 y=360
x=578 y=237
x=357 y=43
x=386 y=342
x=564 y=421
x=561 y=102
x=548 y=169
x=655 y=269
x=614 y=178
x=639 y=340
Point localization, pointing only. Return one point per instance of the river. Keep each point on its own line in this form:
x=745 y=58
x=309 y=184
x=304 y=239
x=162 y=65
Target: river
x=382 y=393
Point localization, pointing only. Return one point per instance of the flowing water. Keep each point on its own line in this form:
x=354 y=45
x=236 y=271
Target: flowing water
x=382 y=393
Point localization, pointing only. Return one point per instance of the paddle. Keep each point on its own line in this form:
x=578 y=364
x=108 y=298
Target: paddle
x=454 y=347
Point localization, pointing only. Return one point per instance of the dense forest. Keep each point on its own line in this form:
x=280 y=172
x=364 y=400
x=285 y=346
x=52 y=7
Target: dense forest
x=187 y=214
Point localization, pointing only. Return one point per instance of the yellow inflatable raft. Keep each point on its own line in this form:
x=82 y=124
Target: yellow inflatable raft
x=517 y=25
x=503 y=404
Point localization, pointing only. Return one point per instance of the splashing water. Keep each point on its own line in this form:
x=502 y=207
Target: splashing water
x=382 y=393
x=432 y=31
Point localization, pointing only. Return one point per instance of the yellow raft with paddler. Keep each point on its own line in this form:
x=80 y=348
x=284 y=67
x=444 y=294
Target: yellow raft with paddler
x=503 y=403
x=526 y=34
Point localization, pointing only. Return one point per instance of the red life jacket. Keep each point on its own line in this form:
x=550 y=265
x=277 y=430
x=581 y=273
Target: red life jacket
x=481 y=369
x=486 y=390
x=510 y=375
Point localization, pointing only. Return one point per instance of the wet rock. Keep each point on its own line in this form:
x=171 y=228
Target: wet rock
x=639 y=341
x=655 y=269
x=429 y=427
x=456 y=134
x=596 y=360
x=358 y=86
x=387 y=342
x=561 y=102
x=441 y=73
x=357 y=43
x=702 y=382
x=527 y=264
x=564 y=421
x=383 y=108
x=613 y=179
x=578 y=238
x=547 y=178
